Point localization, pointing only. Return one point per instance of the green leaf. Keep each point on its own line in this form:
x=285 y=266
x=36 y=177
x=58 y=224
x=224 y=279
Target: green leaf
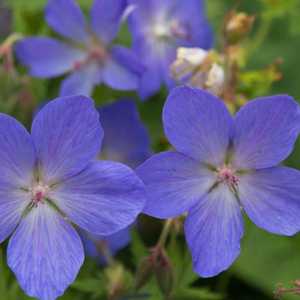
x=196 y=294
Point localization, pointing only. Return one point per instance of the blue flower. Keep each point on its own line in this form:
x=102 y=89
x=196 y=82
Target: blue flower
x=89 y=58
x=125 y=140
x=158 y=28
x=224 y=166
x=50 y=179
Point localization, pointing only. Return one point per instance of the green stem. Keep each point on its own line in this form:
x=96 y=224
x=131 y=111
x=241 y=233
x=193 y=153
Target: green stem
x=165 y=232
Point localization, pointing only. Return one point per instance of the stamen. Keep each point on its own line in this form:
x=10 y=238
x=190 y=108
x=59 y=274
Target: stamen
x=227 y=175
x=38 y=193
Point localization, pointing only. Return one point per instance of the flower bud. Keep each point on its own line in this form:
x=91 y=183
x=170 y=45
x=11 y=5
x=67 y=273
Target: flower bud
x=238 y=26
x=163 y=272
x=144 y=272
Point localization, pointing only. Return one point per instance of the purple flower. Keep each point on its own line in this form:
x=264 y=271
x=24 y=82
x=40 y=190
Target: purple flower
x=224 y=166
x=89 y=58
x=158 y=28
x=50 y=179
x=125 y=140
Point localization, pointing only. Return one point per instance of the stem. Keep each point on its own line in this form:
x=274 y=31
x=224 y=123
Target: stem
x=165 y=232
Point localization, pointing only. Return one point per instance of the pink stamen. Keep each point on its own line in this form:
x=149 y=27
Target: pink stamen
x=39 y=193
x=227 y=174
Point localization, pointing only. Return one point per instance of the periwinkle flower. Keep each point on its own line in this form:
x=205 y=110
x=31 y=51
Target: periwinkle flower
x=224 y=166
x=89 y=57
x=50 y=180
x=125 y=140
x=158 y=28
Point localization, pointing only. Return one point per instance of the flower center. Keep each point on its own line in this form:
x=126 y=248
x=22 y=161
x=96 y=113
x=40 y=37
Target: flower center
x=96 y=53
x=227 y=175
x=39 y=193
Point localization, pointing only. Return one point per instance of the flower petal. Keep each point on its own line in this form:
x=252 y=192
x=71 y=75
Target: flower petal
x=106 y=18
x=103 y=199
x=17 y=161
x=123 y=70
x=197 y=124
x=17 y=154
x=66 y=18
x=174 y=183
x=271 y=199
x=48 y=57
x=67 y=135
x=81 y=82
x=126 y=139
x=45 y=253
x=265 y=132
x=213 y=230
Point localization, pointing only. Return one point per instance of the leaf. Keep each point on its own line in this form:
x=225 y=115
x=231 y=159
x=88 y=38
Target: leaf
x=196 y=294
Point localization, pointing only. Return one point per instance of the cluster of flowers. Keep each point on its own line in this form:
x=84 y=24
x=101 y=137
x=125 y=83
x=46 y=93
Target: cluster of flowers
x=57 y=179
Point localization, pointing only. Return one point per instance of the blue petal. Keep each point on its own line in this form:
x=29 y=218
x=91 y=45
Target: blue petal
x=47 y=57
x=126 y=139
x=81 y=82
x=271 y=199
x=123 y=70
x=103 y=199
x=66 y=18
x=198 y=124
x=17 y=161
x=213 y=230
x=45 y=253
x=106 y=18
x=265 y=132
x=67 y=135
x=174 y=183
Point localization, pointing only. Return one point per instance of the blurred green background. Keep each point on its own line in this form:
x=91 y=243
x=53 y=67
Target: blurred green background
x=266 y=260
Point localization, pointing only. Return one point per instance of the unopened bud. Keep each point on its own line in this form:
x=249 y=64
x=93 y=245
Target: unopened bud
x=163 y=272
x=238 y=26
x=144 y=272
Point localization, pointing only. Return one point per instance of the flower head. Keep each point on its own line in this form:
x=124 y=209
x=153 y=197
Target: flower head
x=89 y=57
x=50 y=180
x=158 y=28
x=224 y=166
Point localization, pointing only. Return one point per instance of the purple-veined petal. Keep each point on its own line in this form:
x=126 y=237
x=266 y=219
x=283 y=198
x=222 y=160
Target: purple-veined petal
x=271 y=199
x=82 y=81
x=17 y=161
x=213 y=231
x=103 y=199
x=191 y=15
x=265 y=132
x=106 y=18
x=17 y=154
x=174 y=183
x=126 y=139
x=67 y=134
x=197 y=124
x=66 y=18
x=48 y=57
x=122 y=71
x=45 y=253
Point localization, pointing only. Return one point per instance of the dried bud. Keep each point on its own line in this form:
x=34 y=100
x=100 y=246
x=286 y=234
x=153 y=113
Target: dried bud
x=144 y=272
x=199 y=68
x=238 y=26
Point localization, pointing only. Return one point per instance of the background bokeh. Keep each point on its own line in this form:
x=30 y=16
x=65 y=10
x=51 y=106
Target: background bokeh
x=266 y=260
